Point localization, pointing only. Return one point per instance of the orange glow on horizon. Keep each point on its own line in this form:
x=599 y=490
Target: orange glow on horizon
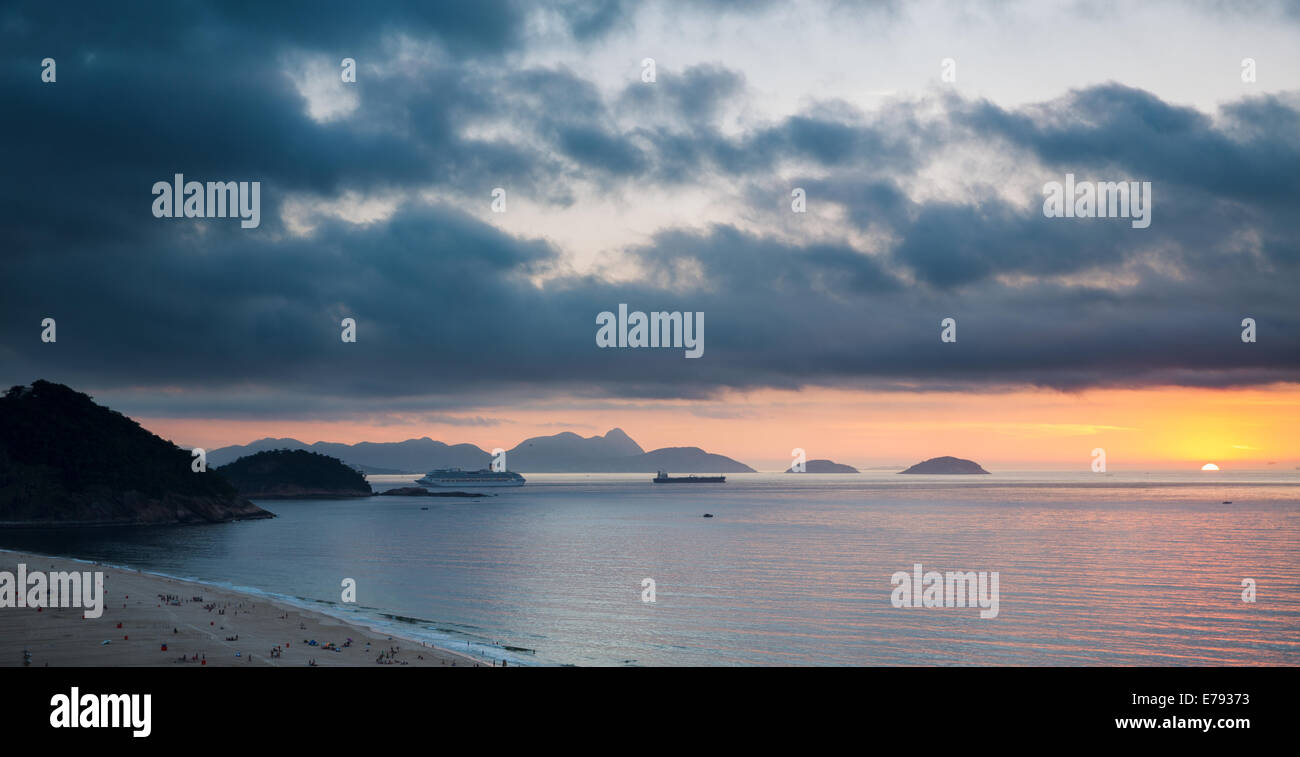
x=1169 y=427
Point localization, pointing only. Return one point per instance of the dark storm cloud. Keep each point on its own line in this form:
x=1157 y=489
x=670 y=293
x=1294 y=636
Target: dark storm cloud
x=1253 y=159
x=592 y=18
x=569 y=113
x=695 y=95
x=859 y=328
x=449 y=308
x=176 y=26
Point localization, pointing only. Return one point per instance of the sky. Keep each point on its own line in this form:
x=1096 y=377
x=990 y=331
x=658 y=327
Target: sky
x=922 y=136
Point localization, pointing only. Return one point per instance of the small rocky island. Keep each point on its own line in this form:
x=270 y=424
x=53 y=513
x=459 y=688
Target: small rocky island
x=420 y=491
x=825 y=466
x=66 y=461
x=294 y=474
x=946 y=466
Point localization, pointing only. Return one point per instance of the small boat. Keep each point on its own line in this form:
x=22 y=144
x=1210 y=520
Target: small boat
x=664 y=478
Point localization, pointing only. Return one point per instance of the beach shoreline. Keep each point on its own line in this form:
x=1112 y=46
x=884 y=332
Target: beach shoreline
x=159 y=621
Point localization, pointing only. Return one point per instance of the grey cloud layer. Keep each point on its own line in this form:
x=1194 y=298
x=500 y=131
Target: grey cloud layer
x=446 y=306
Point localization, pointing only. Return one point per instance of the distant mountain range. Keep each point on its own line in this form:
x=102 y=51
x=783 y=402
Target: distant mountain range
x=566 y=452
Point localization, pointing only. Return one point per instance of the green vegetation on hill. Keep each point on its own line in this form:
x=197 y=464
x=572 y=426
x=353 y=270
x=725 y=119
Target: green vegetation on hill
x=284 y=473
x=66 y=460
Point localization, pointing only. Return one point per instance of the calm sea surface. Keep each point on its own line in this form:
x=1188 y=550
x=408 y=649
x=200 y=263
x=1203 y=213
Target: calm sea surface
x=1095 y=569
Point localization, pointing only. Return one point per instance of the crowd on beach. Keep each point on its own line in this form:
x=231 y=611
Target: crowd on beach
x=388 y=657
x=223 y=611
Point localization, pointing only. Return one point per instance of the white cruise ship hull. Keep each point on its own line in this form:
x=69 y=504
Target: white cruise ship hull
x=461 y=479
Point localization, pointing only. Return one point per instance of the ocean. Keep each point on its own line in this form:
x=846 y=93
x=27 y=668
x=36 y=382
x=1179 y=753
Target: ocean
x=793 y=569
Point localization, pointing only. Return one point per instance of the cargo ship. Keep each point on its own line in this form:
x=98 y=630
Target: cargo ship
x=664 y=478
x=469 y=478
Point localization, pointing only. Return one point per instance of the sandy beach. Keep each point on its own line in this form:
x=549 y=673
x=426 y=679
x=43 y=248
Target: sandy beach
x=150 y=620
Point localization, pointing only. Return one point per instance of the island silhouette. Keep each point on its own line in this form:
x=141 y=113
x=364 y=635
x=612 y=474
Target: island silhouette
x=946 y=465
x=824 y=466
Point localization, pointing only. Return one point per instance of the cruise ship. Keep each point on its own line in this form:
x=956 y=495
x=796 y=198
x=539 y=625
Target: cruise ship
x=467 y=478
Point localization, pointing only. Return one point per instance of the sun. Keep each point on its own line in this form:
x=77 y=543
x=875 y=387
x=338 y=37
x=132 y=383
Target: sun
x=1209 y=466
